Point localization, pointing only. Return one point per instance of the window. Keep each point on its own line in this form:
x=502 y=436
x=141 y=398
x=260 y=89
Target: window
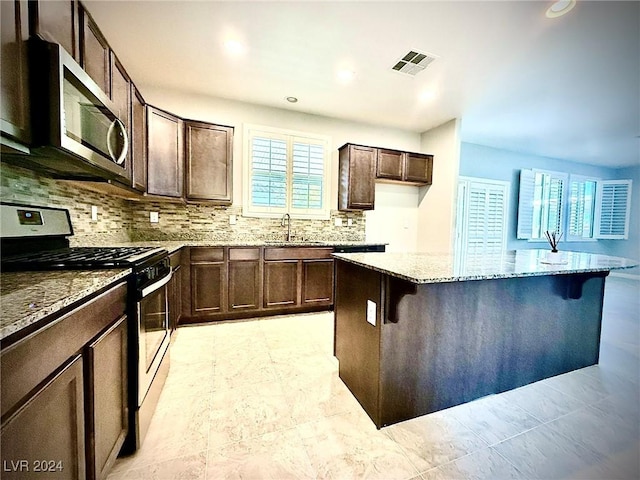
x=541 y=202
x=287 y=172
x=595 y=209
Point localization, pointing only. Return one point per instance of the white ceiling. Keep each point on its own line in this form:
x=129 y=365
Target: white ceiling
x=566 y=88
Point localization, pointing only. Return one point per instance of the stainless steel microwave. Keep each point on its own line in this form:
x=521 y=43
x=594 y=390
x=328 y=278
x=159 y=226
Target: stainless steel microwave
x=76 y=130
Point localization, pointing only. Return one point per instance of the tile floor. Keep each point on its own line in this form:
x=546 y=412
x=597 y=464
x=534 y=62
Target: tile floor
x=262 y=399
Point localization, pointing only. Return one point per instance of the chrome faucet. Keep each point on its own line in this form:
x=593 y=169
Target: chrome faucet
x=286 y=217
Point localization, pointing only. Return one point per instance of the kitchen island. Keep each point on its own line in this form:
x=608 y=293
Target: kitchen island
x=418 y=333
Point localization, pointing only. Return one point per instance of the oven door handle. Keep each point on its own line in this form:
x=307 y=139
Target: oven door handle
x=155 y=286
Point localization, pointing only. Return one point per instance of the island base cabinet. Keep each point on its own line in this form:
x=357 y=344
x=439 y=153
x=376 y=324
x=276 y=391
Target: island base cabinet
x=357 y=341
x=45 y=437
x=442 y=344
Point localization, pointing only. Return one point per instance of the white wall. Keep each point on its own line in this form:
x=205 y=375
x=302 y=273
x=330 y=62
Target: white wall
x=395 y=218
x=436 y=212
x=235 y=114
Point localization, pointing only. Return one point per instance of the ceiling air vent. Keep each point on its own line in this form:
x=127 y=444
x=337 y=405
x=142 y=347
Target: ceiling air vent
x=413 y=62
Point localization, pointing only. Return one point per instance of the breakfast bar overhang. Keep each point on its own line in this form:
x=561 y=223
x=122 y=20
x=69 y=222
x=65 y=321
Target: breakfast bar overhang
x=418 y=333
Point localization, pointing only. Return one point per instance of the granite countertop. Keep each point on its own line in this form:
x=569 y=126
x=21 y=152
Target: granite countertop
x=438 y=268
x=173 y=246
x=27 y=297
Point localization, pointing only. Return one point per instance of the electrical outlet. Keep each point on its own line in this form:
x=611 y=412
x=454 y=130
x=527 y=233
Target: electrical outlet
x=349 y=222
x=94 y=213
x=233 y=219
x=154 y=217
x=371 y=312
x=337 y=222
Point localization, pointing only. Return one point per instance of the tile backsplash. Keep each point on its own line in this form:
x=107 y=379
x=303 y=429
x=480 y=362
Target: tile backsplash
x=122 y=220
x=18 y=185
x=205 y=222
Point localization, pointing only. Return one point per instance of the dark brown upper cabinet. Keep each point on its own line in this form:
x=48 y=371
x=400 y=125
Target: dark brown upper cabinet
x=165 y=153
x=121 y=96
x=94 y=51
x=390 y=164
x=14 y=79
x=361 y=166
x=138 y=140
x=209 y=162
x=414 y=168
x=56 y=22
x=356 y=189
x=418 y=167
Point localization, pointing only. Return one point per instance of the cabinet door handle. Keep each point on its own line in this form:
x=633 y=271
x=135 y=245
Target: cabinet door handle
x=117 y=124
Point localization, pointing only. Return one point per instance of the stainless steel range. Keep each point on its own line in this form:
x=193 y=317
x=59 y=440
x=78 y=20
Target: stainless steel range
x=37 y=238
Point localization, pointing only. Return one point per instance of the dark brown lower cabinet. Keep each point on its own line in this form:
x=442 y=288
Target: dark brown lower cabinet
x=244 y=279
x=317 y=282
x=175 y=290
x=281 y=283
x=45 y=438
x=64 y=391
x=223 y=283
x=208 y=280
x=107 y=412
x=206 y=288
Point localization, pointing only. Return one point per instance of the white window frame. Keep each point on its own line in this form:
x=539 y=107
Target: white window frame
x=574 y=238
x=249 y=132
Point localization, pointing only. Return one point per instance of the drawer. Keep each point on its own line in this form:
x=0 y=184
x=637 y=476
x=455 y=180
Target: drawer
x=205 y=254
x=244 y=254
x=297 y=253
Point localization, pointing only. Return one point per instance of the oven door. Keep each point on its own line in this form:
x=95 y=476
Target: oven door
x=153 y=332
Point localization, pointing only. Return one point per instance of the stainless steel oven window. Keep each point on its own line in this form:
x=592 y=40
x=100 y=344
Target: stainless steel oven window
x=153 y=325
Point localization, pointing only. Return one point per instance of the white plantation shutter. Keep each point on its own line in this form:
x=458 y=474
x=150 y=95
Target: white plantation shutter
x=308 y=176
x=582 y=203
x=525 y=204
x=614 y=204
x=269 y=172
x=287 y=173
x=484 y=216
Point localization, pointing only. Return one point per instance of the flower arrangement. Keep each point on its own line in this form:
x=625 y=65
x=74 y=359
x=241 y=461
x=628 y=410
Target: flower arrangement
x=553 y=238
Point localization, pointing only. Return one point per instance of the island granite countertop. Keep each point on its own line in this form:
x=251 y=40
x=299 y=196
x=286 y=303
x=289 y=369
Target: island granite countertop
x=28 y=297
x=439 y=268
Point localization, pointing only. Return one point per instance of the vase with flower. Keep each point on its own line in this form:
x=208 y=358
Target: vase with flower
x=554 y=256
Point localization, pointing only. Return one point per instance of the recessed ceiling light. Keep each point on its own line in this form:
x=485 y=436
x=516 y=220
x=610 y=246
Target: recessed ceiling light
x=291 y=99
x=345 y=76
x=559 y=8
x=234 y=47
x=426 y=96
